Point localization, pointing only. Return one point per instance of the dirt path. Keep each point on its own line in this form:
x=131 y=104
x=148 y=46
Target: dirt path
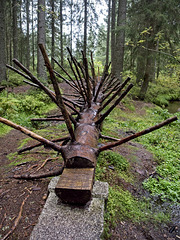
x=14 y=192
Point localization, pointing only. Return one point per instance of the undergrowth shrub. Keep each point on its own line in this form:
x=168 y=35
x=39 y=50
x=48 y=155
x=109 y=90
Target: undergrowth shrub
x=22 y=107
x=164 y=90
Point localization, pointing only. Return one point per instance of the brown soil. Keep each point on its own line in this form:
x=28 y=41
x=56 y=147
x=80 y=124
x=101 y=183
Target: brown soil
x=13 y=192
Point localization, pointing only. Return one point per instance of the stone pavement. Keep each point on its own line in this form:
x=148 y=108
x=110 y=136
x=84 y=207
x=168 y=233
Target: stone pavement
x=61 y=221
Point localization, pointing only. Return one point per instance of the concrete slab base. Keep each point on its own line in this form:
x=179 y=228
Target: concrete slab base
x=60 y=221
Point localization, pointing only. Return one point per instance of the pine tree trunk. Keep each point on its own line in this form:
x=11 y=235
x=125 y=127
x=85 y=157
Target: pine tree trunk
x=21 y=37
x=27 y=36
x=71 y=34
x=140 y=68
x=61 y=32
x=41 y=38
x=15 y=33
x=120 y=38
x=85 y=28
x=113 y=37
x=53 y=33
x=2 y=42
x=32 y=24
x=108 y=33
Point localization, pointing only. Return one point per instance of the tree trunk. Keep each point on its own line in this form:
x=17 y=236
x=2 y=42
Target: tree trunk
x=61 y=32
x=85 y=28
x=147 y=77
x=108 y=33
x=2 y=41
x=27 y=36
x=52 y=33
x=140 y=67
x=15 y=33
x=71 y=33
x=21 y=37
x=41 y=38
x=32 y=24
x=113 y=37
x=120 y=38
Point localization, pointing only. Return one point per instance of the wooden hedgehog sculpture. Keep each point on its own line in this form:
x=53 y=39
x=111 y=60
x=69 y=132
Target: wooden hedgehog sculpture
x=83 y=117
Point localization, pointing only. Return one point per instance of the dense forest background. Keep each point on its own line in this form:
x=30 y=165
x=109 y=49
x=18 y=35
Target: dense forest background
x=139 y=37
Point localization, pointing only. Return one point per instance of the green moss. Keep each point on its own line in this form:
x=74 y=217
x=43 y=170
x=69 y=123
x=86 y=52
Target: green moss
x=122 y=206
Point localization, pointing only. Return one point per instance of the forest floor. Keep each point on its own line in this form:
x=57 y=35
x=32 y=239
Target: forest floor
x=24 y=200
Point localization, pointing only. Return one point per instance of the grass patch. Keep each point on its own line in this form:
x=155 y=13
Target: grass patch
x=164 y=144
x=20 y=108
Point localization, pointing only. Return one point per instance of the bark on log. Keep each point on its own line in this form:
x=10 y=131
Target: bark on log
x=80 y=151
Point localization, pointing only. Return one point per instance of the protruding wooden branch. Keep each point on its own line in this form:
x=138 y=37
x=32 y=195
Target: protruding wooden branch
x=22 y=74
x=110 y=83
x=71 y=101
x=114 y=95
x=58 y=93
x=36 y=81
x=46 y=119
x=79 y=75
x=32 y=134
x=133 y=136
x=88 y=86
x=79 y=86
x=93 y=70
x=65 y=72
x=101 y=119
x=67 y=81
x=28 y=148
x=99 y=87
x=19 y=72
x=29 y=176
x=110 y=92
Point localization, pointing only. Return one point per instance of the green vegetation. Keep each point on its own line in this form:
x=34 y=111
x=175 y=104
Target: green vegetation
x=163 y=143
x=111 y=166
x=164 y=90
x=20 y=108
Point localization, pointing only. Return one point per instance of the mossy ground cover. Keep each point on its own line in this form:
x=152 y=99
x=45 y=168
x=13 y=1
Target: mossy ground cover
x=163 y=144
x=21 y=107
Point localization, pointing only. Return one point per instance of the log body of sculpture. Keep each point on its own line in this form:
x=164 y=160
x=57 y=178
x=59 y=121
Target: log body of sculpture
x=80 y=149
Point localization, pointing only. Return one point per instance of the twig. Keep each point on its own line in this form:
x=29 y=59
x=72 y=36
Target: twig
x=33 y=166
x=108 y=138
x=17 y=220
x=101 y=119
x=47 y=119
x=4 y=217
x=44 y=163
x=157 y=51
x=32 y=224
